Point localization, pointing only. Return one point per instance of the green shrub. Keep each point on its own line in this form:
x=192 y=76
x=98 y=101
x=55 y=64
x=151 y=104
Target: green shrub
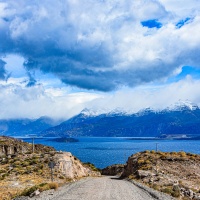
x=147 y=162
x=2 y=171
x=4 y=175
x=155 y=187
x=182 y=154
x=41 y=166
x=29 y=191
x=44 y=188
x=16 y=163
x=176 y=193
x=167 y=190
x=25 y=163
x=41 y=187
x=34 y=161
x=92 y=166
x=140 y=161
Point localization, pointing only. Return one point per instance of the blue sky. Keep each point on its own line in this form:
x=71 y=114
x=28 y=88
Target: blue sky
x=57 y=58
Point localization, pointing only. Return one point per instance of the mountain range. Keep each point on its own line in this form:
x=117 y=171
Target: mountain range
x=181 y=120
x=22 y=127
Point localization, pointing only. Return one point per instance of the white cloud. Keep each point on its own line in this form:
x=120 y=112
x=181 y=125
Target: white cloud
x=21 y=102
x=181 y=9
x=95 y=45
x=155 y=97
x=85 y=42
x=18 y=101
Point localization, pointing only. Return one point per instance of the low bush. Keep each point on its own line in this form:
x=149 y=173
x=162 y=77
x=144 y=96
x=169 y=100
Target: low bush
x=29 y=191
x=182 y=154
x=155 y=187
x=41 y=187
x=53 y=185
x=176 y=193
x=25 y=163
x=140 y=161
x=167 y=190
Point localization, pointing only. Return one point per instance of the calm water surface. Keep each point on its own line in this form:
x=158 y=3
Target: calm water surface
x=107 y=151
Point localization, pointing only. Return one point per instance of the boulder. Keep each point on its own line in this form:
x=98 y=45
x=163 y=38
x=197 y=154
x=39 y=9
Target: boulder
x=35 y=193
x=71 y=167
x=143 y=174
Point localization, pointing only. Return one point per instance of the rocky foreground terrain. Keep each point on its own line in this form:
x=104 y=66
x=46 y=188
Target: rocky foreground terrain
x=174 y=173
x=23 y=172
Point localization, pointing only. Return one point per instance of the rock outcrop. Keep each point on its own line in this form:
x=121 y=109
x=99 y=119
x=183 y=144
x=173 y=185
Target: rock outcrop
x=175 y=173
x=71 y=167
x=11 y=146
x=20 y=168
x=113 y=170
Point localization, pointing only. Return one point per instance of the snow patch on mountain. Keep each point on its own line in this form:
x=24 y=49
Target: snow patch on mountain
x=92 y=113
x=183 y=105
x=178 y=106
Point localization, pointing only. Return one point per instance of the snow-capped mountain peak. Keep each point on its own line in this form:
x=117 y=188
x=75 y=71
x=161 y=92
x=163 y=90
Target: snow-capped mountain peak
x=178 y=106
x=91 y=112
x=182 y=105
x=117 y=111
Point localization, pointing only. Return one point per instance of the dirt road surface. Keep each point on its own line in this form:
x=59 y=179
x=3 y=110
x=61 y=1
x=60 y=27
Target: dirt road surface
x=100 y=188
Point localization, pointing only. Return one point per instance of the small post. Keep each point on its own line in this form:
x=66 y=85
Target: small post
x=33 y=142
x=33 y=146
x=156 y=147
x=156 y=158
x=51 y=166
x=51 y=174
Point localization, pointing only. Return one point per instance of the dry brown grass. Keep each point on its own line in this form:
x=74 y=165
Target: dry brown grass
x=170 y=168
x=25 y=171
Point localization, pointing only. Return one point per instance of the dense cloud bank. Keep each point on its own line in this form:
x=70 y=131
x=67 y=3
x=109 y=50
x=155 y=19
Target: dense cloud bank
x=101 y=45
x=33 y=102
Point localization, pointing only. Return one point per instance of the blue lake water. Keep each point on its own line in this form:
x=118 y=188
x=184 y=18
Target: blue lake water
x=107 y=151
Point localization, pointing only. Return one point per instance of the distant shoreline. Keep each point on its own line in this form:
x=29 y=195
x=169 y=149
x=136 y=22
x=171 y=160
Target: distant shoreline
x=128 y=138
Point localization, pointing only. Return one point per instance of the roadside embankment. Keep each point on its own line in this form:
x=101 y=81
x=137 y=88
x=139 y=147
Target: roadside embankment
x=28 y=173
x=174 y=173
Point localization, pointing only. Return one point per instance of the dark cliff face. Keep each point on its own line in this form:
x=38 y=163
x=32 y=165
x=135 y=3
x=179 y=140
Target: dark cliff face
x=146 y=124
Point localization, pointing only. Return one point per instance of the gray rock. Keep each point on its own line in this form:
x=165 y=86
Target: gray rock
x=143 y=173
x=35 y=193
x=191 y=193
x=196 y=197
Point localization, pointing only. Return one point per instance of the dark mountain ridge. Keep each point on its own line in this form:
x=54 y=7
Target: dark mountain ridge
x=18 y=127
x=184 y=120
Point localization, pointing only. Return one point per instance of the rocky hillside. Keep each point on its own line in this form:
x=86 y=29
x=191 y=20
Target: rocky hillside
x=11 y=147
x=23 y=172
x=175 y=173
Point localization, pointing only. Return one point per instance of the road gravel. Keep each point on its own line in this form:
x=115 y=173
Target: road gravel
x=101 y=188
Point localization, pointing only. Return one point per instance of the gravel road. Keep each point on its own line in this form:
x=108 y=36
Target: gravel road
x=100 y=188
